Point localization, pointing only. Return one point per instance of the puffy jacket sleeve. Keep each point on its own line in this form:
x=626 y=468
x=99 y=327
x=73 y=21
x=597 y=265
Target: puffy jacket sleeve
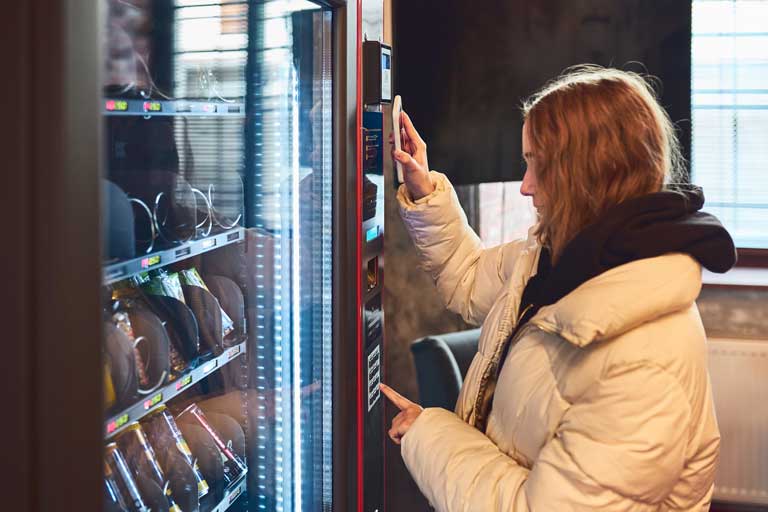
x=620 y=447
x=467 y=275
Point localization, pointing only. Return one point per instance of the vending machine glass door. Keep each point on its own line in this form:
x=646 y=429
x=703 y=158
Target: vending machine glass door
x=217 y=238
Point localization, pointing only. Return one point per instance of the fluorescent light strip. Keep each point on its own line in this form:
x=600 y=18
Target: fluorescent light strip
x=296 y=338
x=327 y=240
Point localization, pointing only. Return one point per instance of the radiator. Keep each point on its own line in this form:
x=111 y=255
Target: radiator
x=739 y=373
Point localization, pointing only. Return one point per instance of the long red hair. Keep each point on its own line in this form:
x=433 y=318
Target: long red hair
x=599 y=137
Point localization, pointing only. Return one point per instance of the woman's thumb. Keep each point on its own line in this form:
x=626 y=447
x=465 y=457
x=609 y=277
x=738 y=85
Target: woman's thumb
x=401 y=156
x=405 y=159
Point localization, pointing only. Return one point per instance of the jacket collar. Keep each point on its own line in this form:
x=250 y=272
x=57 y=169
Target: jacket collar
x=622 y=298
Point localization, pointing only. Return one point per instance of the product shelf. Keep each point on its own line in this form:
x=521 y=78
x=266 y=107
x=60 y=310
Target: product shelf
x=138 y=410
x=151 y=107
x=233 y=492
x=125 y=269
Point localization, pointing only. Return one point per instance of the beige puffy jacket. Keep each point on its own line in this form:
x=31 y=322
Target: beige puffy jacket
x=603 y=402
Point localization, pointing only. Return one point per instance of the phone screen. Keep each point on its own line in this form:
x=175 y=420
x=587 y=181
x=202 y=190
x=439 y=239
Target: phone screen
x=397 y=108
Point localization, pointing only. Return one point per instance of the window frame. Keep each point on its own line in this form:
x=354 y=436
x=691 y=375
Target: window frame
x=754 y=258
x=748 y=257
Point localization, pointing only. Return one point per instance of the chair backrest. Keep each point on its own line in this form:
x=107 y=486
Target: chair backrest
x=442 y=362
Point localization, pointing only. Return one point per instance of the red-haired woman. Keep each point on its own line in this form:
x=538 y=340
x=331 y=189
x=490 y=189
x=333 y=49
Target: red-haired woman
x=589 y=390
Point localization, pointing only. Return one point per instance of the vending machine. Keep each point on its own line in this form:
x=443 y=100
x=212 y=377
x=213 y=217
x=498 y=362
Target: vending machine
x=202 y=258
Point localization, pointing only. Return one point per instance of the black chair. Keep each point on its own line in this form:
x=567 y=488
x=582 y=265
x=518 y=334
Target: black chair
x=442 y=362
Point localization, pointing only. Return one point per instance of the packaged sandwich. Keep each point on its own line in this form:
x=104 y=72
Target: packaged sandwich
x=191 y=277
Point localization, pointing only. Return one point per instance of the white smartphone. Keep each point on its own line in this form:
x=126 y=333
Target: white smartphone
x=397 y=108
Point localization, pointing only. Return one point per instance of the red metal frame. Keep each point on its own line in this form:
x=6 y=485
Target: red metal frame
x=359 y=248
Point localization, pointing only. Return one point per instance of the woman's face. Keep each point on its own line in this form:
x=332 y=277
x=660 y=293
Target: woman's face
x=528 y=188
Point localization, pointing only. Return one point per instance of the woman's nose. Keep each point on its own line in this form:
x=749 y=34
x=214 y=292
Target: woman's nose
x=526 y=187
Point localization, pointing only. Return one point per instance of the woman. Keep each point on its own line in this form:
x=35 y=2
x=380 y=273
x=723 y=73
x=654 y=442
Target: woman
x=589 y=390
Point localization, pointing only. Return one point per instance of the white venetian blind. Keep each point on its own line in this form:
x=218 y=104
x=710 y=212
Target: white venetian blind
x=730 y=114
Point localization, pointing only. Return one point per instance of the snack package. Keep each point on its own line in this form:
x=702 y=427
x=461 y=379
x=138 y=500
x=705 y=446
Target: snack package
x=163 y=283
x=127 y=289
x=133 y=292
x=172 y=286
x=149 y=284
x=191 y=277
x=123 y=322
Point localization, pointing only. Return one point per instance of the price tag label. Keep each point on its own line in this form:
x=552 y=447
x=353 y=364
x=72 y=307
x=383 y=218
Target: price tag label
x=150 y=261
x=184 y=382
x=153 y=106
x=233 y=352
x=150 y=403
x=117 y=105
x=235 y=494
x=208 y=368
x=117 y=423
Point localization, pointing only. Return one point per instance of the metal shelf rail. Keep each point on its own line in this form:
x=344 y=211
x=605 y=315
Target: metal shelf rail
x=234 y=491
x=138 y=410
x=125 y=269
x=148 y=108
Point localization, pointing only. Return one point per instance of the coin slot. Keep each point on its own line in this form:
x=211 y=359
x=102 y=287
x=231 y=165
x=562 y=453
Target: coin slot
x=372 y=273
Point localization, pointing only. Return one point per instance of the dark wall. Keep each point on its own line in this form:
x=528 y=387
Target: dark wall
x=463 y=68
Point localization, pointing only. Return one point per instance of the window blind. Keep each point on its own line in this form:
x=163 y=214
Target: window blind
x=729 y=157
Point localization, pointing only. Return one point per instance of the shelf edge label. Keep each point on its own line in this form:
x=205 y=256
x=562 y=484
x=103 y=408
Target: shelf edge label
x=235 y=494
x=184 y=382
x=117 y=423
x=208 y=368
x=233 y=352
x=150 y=261
x=151 y=402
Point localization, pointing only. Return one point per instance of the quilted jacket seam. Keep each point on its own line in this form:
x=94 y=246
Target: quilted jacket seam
x=639 y=364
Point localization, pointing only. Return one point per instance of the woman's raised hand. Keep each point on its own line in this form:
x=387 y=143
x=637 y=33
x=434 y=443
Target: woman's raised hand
x=413 y=158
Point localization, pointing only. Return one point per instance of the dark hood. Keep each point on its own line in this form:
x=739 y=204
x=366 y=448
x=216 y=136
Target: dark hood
x=643 y=227
x=665 y=222
x=661 y=223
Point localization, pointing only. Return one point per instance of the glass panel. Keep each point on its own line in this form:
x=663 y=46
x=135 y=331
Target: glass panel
x=217 y=231
x=730 y=114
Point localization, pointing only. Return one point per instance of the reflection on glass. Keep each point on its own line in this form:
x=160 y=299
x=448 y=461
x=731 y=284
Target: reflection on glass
x=217 y=251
